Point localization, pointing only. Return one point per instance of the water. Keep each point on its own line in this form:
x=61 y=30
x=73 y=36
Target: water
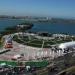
x=54 y=28
x=4 y=23
x=41 y=27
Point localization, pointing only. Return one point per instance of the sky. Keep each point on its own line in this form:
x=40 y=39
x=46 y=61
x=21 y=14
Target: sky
x=51 y=8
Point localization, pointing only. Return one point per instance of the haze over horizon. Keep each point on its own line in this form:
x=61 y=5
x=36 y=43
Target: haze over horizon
x=52 y=8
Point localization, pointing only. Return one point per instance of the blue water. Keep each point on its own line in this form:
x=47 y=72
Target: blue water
x=41 y=27
x=54 y=28
x=8 y=22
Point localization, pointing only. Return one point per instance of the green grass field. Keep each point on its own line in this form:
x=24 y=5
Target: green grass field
x=34 y=42
x=40 y=64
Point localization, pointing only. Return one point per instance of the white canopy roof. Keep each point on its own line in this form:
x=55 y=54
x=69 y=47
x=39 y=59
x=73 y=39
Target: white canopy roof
x=67 y=44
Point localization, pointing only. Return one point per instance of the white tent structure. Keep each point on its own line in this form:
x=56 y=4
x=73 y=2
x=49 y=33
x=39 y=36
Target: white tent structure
x=67 y=45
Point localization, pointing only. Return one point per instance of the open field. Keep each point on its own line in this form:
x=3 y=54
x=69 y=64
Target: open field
x=37 y=42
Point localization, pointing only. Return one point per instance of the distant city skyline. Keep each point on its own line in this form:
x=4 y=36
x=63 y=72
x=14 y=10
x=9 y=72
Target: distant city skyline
x=51 y=8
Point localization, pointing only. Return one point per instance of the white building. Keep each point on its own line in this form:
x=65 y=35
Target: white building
x=66 y=45
x=60 y=35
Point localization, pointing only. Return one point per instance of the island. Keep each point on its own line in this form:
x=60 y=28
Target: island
x=18 y=28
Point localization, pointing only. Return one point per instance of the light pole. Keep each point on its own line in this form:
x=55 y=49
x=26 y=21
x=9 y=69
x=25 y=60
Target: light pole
x=42 y=45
